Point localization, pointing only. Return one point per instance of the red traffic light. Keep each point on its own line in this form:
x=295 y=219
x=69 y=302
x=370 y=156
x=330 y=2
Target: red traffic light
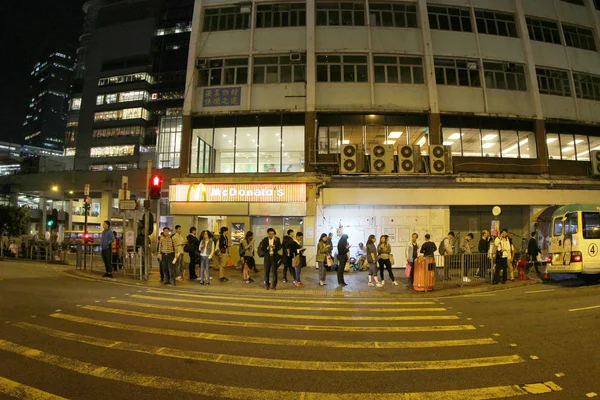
x=156 y=186
x=87 y=238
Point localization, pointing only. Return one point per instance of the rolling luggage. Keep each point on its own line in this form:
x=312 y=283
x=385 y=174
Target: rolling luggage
x=424 y=274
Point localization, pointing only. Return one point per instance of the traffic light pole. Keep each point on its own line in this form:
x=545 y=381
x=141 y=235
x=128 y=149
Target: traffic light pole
x=147 y=257
x=86 y=208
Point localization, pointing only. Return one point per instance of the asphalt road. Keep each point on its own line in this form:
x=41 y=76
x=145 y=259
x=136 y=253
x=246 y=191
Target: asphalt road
x=71 y=336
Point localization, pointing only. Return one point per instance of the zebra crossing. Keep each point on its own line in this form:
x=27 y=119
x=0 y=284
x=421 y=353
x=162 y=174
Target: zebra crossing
x=178 y=344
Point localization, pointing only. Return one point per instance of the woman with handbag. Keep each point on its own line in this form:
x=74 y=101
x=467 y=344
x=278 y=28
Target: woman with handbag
x=384 y=251
x=322 y=254
x=248 y=256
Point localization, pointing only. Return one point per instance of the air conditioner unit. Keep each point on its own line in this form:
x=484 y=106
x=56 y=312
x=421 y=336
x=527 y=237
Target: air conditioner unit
x=295 y=57
x=440 y=159
x=202 y=63
x=472 y=65
x=409 y=159
x=382 y=159
x=595 y=162
x=352 y=159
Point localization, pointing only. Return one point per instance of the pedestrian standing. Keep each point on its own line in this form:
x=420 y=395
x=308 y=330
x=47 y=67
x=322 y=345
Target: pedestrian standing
x=270 y=246
x=533 y=250
x=297 y=250
x=372 y=260
x=179 y=242
x=323 y=250
x=484 y=248
x=502 y=254
x=248 y=256
x=384 y=249
x=106 y=242
x=467 y=250
x=207 y=251
x=192 y=246
x=447 y=250
x=223 y=253
x=115 y=252
x=166 y=249
x=287 y=256
x=412 y=252
x=343 y=250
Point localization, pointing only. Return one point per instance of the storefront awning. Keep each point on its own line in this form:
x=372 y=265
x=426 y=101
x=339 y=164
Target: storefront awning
x=545 y=214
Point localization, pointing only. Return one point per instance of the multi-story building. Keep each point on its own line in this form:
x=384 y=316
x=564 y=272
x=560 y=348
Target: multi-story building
x=130 y=81
x=46 y=117
x=285 y=101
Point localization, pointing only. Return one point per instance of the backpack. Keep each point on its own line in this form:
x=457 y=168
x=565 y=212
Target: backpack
x=260 y=251
x=241 y=250
x=442 y=247
x=188 y=248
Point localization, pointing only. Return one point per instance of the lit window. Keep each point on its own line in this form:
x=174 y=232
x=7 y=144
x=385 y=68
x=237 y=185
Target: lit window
x=112 y=151
x=228 y=71
x=76 y=103
x=450 y=19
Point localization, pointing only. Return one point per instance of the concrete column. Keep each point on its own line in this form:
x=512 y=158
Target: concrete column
x=428 y=57
x=532 y=83
x=69 y=210
x=186 y=145
x=596 y=15
x=14 y=195
x=310 y=141
x=106 y=203
x=435 y=128
x=540 y=141
x=311 y=60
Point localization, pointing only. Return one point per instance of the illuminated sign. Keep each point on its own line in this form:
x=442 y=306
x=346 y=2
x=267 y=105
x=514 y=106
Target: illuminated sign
x=239 y=193
x=219 y=97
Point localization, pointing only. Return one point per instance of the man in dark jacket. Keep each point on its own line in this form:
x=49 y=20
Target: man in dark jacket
x=343 y=250
x=533 y=250
x=484 y=248
x=271 y=246
x=193 y=243
x=286 y=258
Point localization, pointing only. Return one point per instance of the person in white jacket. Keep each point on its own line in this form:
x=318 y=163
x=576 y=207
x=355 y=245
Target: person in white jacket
x=503 y=249
x=207 y=251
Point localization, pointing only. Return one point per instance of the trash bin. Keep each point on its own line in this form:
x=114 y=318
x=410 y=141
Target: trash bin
x=424 y=274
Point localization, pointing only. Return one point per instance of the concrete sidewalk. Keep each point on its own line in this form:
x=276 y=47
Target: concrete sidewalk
x=357 y=284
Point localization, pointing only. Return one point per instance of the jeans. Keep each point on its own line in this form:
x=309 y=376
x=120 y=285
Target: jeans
x=179 y=265
x=271 y=266
x=501 y=264
x=204 y=269
x=107 y=258
x=322 y=271
x=388 y=265
x=168 y=268
x=342 y=260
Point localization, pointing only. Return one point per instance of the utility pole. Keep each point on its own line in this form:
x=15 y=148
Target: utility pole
x=86 y=208
x=147 y=257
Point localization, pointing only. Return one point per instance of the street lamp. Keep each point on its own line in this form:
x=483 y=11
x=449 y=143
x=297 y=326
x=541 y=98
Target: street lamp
x=55 y=188
x=70 y=192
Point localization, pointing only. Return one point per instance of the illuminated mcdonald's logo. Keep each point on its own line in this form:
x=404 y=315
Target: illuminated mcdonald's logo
x=251 y=193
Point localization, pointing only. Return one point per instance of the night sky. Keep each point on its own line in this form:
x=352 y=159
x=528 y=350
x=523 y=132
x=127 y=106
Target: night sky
x=31 y=30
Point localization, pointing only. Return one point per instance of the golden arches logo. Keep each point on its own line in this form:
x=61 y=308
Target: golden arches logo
x=196 y=192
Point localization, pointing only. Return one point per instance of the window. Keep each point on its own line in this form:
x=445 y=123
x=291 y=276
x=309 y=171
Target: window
x=587 y=86
x=570 y=224
x=280 y=15
x=129 y=78
x=457 y=72
x=168 y=149
x=225 y=19
x=543 y=31
x=576 y=2
x=127 y=113
x=347 y=68
x=76 y=103
x=112 y=151
x=475 y=142
x=558 y=226
x=450 y=19
x=120 y=131
x=134 y=95
x=228 y=71
x=396 y=15
x=112 y=167
x=553 y=81
x=70 y=151
x=279 y=69
x=504 y=75
x=180 y=27
x=329 y=139
x=581 y=38
x=495 y=23
x=394 y=69
x=340 y=14
x=566 y=146
x=590 y=222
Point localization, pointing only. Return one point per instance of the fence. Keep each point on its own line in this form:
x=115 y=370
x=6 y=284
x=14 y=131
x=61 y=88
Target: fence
x=36 y=251
x=463 y=269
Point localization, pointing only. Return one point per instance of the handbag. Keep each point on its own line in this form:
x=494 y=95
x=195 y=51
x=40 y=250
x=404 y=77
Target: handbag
x=392 y=259
x=407 y=270
x=296 y=261
x=329 y=261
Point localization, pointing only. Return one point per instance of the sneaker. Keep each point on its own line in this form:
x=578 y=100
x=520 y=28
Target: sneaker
x=322 y=284
x=198 y=279
x=379 y=284
x=395 y=283
x=466 y=279
x=294 y=281
x=201 y=282
x=299 y=284
x=208 y=283
x=223 y=279
x=382 y=283
x=179 y=279
x=371 y=284
x=273 y=288
x=246 y=281
x=250 y=280
x=266 y=287
x=106 y=275
x=284 y=281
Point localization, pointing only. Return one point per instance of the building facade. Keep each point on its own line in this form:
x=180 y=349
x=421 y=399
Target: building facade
x=287 y=92
x=46 y=118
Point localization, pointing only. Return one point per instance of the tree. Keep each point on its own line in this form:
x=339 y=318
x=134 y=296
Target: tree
x=14 y=221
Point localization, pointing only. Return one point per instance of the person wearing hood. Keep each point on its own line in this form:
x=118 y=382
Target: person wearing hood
x=343 y=248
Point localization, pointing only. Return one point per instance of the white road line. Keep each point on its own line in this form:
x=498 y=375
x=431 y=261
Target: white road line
x=584 y=308
x=540 y=291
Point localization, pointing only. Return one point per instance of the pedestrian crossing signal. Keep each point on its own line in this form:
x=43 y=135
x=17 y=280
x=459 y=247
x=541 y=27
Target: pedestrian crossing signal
x=155 y=186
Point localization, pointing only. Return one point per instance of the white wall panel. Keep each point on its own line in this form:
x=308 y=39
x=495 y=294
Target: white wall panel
x=290 y=96
x=386 y=40
x=457 y=44
x=584 y=60
x=460 y=99
x=280 y=39
x=501 y=48
x=225 y=43
x=401 y=97
x=347 y=96
x=509 y=102
x=335 y=38
x=574 y=14
x=507 y=6
x=539 y=8
x=558 y=106
x=589 y=110
x=549 y=55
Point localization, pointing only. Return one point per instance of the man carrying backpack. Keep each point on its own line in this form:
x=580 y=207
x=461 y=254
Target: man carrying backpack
x=191 y=248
